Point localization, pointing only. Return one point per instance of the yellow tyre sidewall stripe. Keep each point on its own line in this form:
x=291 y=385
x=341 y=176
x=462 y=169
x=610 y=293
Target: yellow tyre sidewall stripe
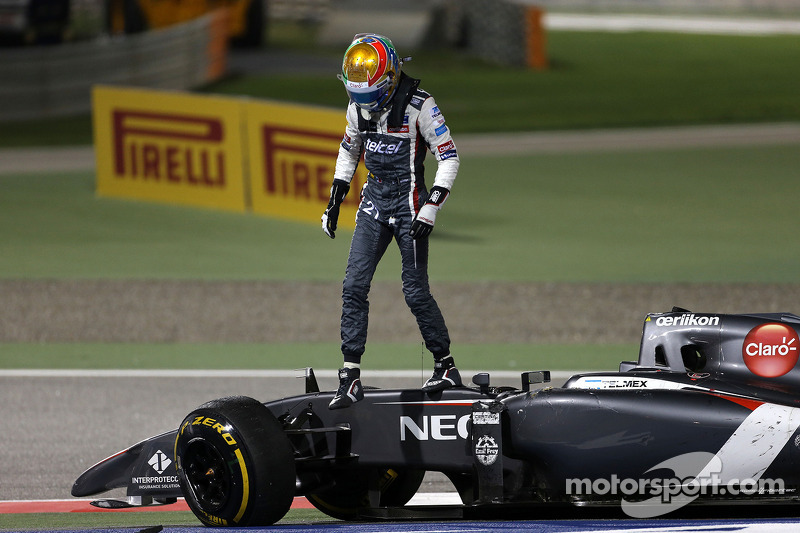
x=245 y=486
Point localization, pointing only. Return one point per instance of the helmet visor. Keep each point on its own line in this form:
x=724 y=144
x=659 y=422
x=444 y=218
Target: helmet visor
x=364 y=62
x=369 y=71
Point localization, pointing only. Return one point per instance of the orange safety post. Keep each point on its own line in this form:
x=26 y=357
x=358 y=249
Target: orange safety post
x=536 y=39
x=218 y=44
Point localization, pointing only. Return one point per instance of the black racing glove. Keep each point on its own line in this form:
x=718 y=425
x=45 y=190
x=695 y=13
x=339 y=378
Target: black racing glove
x=330 y=217
x=423 y=223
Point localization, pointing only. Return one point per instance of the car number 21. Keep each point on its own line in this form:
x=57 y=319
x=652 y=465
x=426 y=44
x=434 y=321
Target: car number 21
x=370 y=209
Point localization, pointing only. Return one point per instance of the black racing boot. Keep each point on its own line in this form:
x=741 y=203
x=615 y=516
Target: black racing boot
x=445 y=375
x=350 y=389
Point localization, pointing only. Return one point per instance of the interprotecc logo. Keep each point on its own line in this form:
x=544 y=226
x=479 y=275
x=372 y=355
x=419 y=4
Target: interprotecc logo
x=159 y=461
x=691 y=476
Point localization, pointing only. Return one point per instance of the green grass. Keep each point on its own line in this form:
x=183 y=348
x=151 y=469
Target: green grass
x=695 y=215
x=108 y=520
x=54 y=226
x=97 y=520
x=690 y=215
x=596 y=80
x=63 y=131
x=382 y=356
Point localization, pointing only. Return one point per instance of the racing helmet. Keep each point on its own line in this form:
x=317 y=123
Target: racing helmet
x=370 y=71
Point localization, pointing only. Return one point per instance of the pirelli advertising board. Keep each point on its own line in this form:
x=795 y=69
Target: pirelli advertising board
x=293 y=154
x=227 y=153
x=169 y=147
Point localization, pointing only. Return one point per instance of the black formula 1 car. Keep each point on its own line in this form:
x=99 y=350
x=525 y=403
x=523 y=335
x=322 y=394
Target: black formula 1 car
x=708 y=414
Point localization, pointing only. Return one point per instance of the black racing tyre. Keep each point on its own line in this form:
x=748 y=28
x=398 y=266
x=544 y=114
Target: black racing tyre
x=350 y=491
x=235 y=464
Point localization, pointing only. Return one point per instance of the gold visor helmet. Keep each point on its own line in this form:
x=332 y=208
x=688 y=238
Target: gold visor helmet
x=370 y=71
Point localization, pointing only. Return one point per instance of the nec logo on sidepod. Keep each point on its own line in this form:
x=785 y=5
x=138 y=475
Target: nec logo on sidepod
x=770 y=350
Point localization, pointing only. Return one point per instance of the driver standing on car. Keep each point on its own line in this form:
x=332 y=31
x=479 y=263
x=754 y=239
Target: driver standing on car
x=393 y=123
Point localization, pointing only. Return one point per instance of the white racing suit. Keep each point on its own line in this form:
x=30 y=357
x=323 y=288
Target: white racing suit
x=394 y=143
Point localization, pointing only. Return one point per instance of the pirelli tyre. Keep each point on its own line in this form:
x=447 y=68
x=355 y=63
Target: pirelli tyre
x=350 y=491
x=235 y=464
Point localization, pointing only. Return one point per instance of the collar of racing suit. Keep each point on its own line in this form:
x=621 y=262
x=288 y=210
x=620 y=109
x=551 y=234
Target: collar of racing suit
x=406 y=88
x=400 y=99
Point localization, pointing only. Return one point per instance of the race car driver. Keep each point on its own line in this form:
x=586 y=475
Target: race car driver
x=393 y=123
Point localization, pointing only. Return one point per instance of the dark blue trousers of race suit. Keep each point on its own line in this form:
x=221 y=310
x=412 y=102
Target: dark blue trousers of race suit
x=385 y=214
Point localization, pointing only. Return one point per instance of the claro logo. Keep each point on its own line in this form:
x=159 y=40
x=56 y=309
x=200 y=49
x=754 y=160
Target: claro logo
x=435 y=427
x=168 y=147
x=770 y=350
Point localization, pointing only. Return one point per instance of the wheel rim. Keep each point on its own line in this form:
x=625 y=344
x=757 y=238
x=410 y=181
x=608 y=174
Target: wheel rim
x=207 y=474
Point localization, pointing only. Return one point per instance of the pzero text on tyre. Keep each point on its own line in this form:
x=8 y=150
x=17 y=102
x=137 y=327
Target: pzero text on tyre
x=235 y=463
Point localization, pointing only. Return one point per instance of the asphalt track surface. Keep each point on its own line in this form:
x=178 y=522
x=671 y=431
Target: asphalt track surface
x=77 y=158
x=537 y=526
x=57 y=424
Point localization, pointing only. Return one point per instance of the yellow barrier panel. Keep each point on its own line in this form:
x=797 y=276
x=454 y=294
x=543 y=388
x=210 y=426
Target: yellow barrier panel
x=293 y=154
x=196 y=150
x=169 y=147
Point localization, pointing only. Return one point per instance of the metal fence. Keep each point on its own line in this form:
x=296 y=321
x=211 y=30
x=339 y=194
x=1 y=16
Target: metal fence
x=51 y=81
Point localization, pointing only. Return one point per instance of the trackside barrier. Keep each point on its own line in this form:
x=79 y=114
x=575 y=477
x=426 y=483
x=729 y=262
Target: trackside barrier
x=535 y=39
x=505 y=32
x=169 y=147
x=217 y=152
x=51 y=81
x=291 y=160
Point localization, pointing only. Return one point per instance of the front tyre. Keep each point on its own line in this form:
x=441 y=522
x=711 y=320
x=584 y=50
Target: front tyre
x=235 y=464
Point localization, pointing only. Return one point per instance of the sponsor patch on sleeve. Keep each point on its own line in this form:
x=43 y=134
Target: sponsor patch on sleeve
x=449 y=145
x=446 y=150
x=440 y=130
x=347 y=142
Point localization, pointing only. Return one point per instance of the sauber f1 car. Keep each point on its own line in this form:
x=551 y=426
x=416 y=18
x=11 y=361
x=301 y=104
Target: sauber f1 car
x=708 y=414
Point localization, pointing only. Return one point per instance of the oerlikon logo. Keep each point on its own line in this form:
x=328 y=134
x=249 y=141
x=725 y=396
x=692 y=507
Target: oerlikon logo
x=771 y=350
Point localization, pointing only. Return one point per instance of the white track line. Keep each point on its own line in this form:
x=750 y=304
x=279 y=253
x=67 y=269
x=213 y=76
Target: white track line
x=670 y=23
x=82 y=157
